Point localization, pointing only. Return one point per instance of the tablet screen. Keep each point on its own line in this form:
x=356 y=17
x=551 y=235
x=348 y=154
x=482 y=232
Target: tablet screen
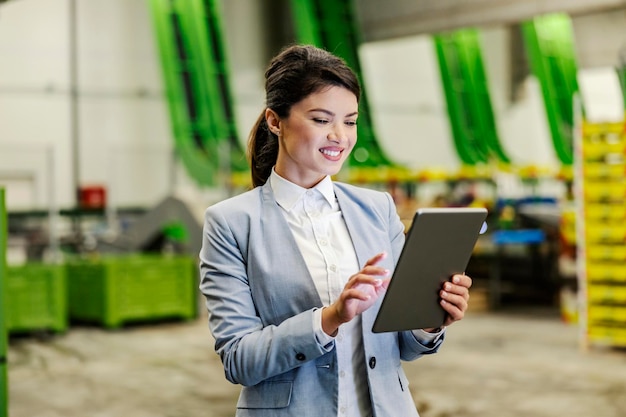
x=438 y=245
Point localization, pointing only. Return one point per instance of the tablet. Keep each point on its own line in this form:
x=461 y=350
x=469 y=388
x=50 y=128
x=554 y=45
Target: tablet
x=439 y=244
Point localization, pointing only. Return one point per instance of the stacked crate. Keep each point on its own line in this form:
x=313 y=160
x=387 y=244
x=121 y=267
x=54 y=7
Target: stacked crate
x=114 y=291
x=36 y=298
x=568 y=294
x=601 y=225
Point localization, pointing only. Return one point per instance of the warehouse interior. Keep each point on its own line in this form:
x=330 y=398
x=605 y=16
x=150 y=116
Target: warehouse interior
x=121 y=121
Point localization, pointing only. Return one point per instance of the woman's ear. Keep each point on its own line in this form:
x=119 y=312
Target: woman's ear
x=273 y=121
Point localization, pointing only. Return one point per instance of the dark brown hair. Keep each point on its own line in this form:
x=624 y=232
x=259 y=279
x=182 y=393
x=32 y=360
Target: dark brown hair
x=295 y=73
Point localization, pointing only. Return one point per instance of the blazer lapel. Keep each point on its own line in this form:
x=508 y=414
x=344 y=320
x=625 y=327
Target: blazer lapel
x=274 y=228
x=357 y=227
x=367 y=242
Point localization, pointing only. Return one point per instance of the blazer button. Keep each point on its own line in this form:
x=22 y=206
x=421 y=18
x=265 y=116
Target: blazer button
x=300 y=356
x=373 y=362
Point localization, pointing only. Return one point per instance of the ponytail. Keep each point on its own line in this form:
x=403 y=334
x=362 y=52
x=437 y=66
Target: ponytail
x=262 y=151
x=292 y=75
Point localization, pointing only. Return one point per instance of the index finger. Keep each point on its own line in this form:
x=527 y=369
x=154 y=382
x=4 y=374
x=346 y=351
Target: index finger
x=376 y=258
x=462 y=279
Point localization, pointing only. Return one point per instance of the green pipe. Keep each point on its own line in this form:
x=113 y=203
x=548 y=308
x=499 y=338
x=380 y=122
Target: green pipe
x=195 y=74
x=549 y=42
x=468 y=99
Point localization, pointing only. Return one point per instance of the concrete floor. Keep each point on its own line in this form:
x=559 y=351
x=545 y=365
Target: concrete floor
x=491 y=365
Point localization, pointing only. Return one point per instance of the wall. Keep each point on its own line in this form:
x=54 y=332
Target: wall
x=122 y=122
x=33 y=99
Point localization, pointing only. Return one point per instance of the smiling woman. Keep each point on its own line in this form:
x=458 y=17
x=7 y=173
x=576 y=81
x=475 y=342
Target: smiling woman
x=317 y=136
x=294 y=269
x=304 y=80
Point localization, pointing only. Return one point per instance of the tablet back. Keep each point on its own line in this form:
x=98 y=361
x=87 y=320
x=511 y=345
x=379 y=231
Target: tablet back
x=438 y=245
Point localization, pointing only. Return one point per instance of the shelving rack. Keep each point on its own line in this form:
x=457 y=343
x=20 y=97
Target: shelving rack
x=600 y=184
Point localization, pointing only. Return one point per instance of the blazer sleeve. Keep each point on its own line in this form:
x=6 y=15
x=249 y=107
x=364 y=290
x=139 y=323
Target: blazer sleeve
x=250 y=351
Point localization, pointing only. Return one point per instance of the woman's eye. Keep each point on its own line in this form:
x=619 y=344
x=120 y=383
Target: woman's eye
x=322 y=121
x=351 y=122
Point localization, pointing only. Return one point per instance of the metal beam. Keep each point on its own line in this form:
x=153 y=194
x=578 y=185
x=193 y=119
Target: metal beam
x=389 y=19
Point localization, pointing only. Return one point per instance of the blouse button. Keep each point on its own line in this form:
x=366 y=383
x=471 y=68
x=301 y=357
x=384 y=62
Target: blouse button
x=300 y=356
x=373 y=362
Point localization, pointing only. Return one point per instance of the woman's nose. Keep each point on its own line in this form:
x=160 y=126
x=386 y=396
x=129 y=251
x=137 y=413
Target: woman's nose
x=336 y=134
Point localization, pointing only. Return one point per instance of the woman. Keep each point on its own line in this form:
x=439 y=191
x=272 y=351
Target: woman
x=294 y=269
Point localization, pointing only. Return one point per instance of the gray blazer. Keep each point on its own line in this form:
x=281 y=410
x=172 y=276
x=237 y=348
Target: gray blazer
x=260 y=297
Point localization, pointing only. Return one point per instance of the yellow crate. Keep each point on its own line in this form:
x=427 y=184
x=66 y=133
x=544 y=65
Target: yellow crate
x=568 y=216
x=615 y=212
x=599 y=191
x=599 y=149
x=594 y=170
x=568 y=233
x=593 y=151
x=597 y=271
x=606 y=293
x=599 y=313
x=605 y=233
x=613 y=336
x=601 y=129
x=606 y=253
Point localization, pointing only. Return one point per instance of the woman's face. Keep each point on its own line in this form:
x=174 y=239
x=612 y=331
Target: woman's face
x=317 y=137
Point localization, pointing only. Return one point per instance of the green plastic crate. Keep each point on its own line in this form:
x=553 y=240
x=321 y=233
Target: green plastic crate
x=115 y=291
x=36 y=298
x=4 y=395
x=3 y=247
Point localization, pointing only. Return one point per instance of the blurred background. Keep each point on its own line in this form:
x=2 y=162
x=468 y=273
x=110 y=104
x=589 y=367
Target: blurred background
x=122 y=120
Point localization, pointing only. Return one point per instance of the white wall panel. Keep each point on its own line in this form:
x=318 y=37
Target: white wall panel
x=407 y=102
x=120 y=99
x=34 y=45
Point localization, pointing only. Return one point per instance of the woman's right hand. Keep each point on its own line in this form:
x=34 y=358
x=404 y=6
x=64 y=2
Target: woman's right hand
x=360 y=293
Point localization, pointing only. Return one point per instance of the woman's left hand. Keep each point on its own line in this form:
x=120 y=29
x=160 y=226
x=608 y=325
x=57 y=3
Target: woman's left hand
x=455 y=297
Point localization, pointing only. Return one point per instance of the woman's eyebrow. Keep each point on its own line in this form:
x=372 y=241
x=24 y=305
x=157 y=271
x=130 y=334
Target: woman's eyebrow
x=330 y=113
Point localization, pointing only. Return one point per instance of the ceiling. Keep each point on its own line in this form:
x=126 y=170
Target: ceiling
x=397 y=18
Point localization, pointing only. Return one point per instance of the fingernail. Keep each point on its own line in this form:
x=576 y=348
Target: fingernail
x=456 y=279
x=378 y=282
